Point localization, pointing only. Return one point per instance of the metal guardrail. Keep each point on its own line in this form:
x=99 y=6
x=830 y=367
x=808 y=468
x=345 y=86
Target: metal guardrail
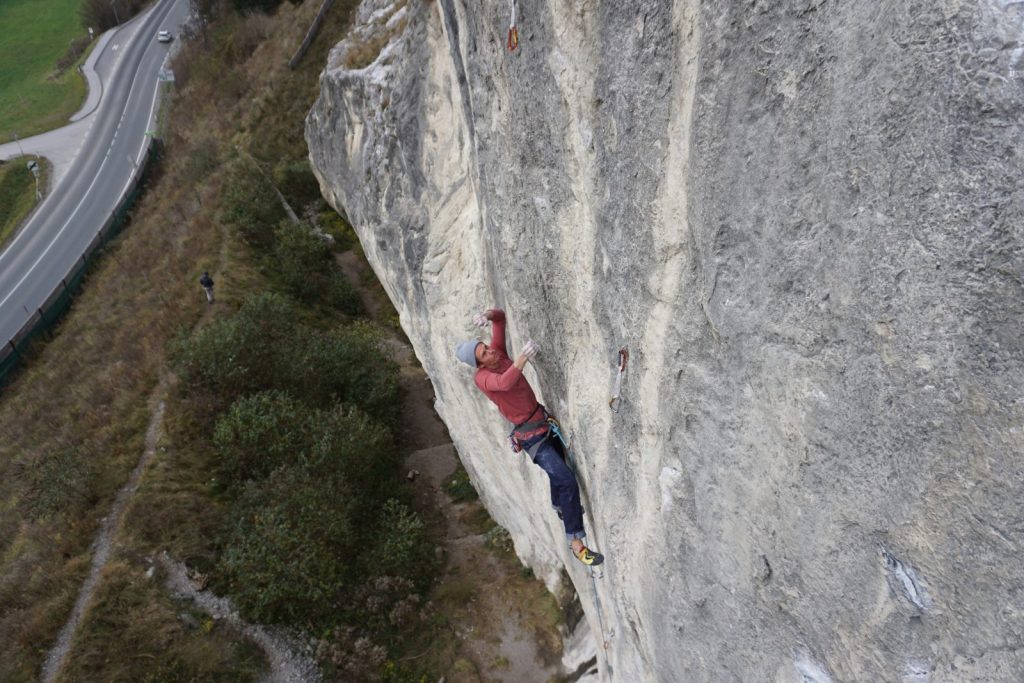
x=58 y=302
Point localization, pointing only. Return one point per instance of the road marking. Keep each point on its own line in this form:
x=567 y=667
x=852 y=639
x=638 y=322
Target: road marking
x=85 y=196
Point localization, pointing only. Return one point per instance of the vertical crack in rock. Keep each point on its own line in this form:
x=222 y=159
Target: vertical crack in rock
x=451 y=23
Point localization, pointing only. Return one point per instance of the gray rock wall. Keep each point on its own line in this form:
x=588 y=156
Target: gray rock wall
x=805 y=219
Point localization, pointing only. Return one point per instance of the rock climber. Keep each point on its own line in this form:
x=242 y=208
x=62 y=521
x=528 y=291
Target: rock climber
x=503 y=382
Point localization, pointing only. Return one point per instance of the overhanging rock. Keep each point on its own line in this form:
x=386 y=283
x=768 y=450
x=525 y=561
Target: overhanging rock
x=805 y=219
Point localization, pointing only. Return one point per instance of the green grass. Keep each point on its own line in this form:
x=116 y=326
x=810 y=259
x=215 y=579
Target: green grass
x=17 y=195
x=35 y=34
x=459 y=488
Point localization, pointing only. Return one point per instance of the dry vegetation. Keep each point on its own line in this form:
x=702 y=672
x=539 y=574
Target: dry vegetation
x=83 y=399
x=74 y=420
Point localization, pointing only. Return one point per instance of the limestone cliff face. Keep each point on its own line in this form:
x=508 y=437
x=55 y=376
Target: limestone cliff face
x=805 y=219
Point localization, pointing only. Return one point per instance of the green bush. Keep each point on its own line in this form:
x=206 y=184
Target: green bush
x=307 y=268
x=251 y=206
x=401 y=544
x=293 y=552
x=259 y=433
x=351 y=361
x=101 y=14
x=302 y=259
x=251 y=351
x=297 y=183
x=499 y=539
x=347 y=438
x=262 y=348
x=341 y=230
x=459 y=488
x=288 y=557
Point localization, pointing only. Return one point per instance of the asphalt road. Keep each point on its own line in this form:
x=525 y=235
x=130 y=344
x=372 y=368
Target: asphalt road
x=60 y=231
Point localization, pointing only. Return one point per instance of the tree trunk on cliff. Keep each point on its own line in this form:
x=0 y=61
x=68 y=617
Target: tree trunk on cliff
x=314 y=28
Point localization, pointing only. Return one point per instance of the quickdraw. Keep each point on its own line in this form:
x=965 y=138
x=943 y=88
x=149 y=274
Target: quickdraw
x=615 y=401
x=513 y=33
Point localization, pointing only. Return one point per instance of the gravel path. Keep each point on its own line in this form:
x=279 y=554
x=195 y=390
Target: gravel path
x=287 y=662
x=103 y=542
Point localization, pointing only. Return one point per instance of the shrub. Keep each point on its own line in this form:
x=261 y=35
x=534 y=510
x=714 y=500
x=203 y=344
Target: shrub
x=104 y=14
x=297 y=183
x=292 y=553
x=346 y=656
x=251 y=206
x=341 y=230
x=347 y=439
x=302 y=259
x=401 y=547
x=261 y=348
x=259 y=433
x=75 y=50
x=350 y=362
x=288 y=556
x=387 y=605
x=251 y=351
x=459 y=488
x=499 y=539
x=308 y=271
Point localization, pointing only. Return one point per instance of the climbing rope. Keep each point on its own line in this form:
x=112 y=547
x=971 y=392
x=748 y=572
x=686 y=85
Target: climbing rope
x=513 y=32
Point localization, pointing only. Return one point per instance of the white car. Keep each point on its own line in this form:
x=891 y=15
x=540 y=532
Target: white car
x=164 y=36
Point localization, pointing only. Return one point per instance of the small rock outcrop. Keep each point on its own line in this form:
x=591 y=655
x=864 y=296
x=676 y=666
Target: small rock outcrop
x=805 y=220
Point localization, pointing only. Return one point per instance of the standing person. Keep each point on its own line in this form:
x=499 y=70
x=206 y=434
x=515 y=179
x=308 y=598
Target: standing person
x=207 y=282
x=502 y=381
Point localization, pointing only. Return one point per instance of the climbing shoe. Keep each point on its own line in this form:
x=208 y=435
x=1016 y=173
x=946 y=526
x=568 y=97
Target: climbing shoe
x=588 y=556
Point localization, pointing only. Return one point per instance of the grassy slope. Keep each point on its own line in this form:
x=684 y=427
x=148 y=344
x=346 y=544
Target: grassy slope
x=17 y=194
x=86 y=391
x=74 y=421
x=35 y=34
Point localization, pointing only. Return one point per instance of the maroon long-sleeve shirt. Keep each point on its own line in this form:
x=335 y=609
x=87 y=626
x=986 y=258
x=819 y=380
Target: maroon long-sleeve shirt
x=506 y=386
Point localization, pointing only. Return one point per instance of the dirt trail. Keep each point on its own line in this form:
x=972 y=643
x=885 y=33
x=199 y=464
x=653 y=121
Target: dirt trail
x=103 y=542
x=287 y=665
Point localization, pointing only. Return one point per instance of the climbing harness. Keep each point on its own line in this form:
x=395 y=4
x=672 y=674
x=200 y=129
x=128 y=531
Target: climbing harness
x=513 y=32
x=615 y=400
x=529 y=428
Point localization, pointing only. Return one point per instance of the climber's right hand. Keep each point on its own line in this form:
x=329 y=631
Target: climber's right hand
x=480 y=319
x=530 y=349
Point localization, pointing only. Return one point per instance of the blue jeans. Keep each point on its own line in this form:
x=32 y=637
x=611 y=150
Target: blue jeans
x=565 y=492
